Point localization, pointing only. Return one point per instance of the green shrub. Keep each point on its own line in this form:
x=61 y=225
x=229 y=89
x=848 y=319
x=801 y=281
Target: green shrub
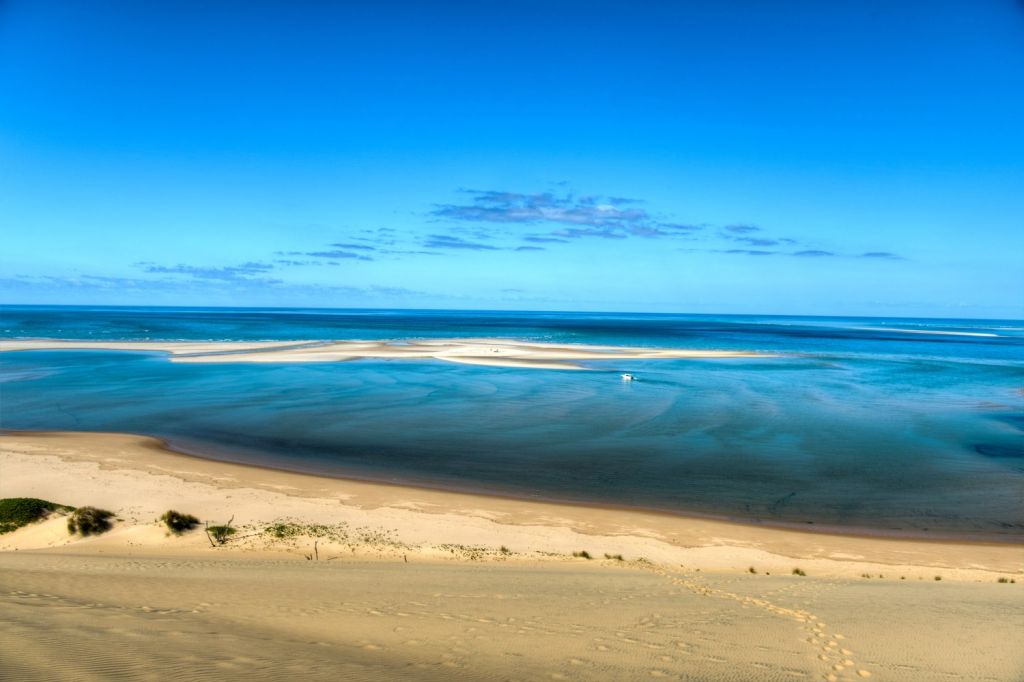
x=177 y=522
x=616 y=557
x=221 y=533
x=16 y=512
x=798 y=571
x=938 y=577
x=89 y=521
x=752 y=570
x=582 y=554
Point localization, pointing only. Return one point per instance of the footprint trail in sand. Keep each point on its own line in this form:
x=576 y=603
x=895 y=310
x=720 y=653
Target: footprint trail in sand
x=833 y=647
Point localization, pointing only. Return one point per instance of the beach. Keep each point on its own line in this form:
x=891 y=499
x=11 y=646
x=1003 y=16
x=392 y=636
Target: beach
x=376 y=581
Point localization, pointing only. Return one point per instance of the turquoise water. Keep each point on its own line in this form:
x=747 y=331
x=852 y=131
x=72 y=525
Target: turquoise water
x=859 y=423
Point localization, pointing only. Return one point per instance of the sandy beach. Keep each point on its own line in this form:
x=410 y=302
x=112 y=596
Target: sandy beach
x=494 y=352
x=374 y=581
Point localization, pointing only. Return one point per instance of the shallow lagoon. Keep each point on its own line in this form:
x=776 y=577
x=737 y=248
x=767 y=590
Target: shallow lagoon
x=864 y=428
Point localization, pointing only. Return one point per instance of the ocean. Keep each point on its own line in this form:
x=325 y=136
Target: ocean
x=909 y=426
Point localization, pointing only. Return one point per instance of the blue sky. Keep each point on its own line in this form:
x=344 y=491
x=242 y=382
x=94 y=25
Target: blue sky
x=847 y=158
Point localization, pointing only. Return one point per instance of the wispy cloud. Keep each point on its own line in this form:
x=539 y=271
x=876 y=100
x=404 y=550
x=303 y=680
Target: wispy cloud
x=758 y=241
x=537 y=239
x=580 y=216
x=444 y=241
x=230 y=273
x=86 y=282
x=337 y=254
x=297 y=263
x=805 y=253
x=739 y=234
x=749 y=252
x=813 y=253
x=197 y=285
x=883 y=255
x=572 y=217
x=330 y=254
x=357 y=247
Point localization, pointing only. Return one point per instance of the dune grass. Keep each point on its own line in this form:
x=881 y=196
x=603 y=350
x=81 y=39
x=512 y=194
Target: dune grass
x=89 y=521
x=16 y=512
x=178 y=522
x=221 y=533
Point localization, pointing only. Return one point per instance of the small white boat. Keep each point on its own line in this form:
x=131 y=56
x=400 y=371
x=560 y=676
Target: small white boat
x=628 y=377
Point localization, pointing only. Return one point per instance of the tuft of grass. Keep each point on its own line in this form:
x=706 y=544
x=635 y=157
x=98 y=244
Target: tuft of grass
x=799 y=571
x=752 y=570
x=221 y=533
x=582 y=554
x=89 y=521
x=938 y=577
x=505 y=550
x=16 y=512
x=177 y=522
x=283 y=530
x=616 y=557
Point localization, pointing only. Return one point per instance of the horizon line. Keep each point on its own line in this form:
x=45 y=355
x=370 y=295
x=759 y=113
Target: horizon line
x=497 y=310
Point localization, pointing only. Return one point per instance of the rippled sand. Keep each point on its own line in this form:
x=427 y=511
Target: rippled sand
x=69 y=617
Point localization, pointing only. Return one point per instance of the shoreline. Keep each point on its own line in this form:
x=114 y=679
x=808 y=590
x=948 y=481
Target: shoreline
x=339 y=579
x=810 y=527
x=139 y=478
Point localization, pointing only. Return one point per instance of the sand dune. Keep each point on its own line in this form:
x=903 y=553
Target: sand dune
x=409 y=583
x=80 y=617
x=495 y=352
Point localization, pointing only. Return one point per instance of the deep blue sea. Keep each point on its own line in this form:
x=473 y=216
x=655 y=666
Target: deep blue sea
x=859 y=422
